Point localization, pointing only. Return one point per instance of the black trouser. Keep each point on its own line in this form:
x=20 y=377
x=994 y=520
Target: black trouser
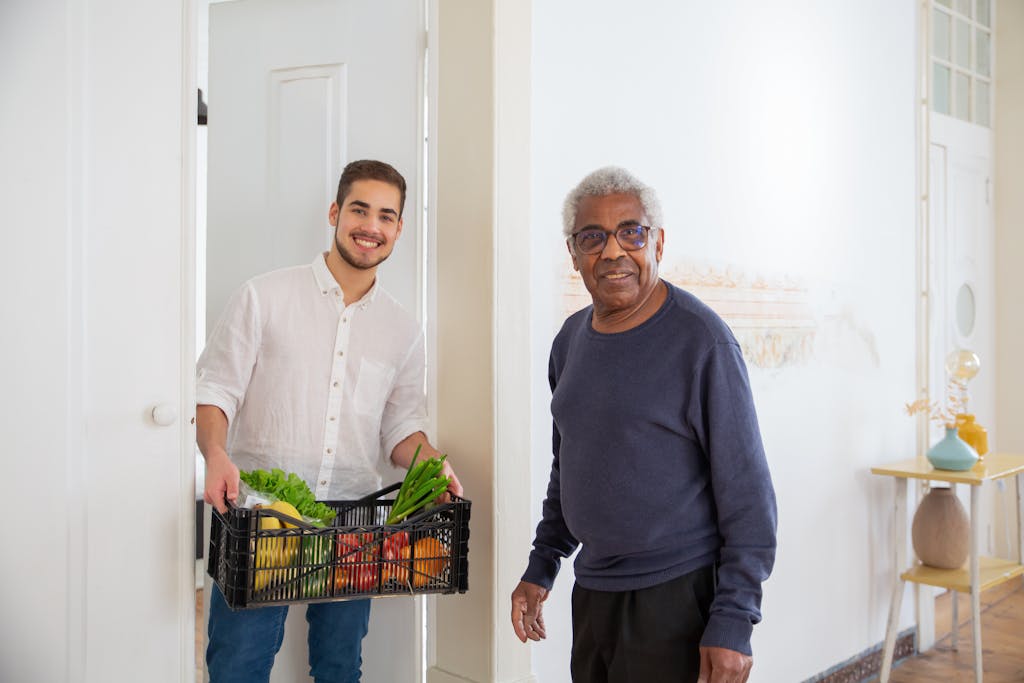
x=643 y=636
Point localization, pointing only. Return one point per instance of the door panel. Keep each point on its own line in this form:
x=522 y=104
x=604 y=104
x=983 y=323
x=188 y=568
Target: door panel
x=297 y=89
x=961 y=255
x=961 y=246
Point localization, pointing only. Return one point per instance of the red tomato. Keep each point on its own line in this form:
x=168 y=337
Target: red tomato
x=396 y=566
x=357 y=557
x=365 y=578
x=394 y=543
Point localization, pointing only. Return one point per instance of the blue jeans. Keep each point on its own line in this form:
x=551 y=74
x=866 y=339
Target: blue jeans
x=241 y=645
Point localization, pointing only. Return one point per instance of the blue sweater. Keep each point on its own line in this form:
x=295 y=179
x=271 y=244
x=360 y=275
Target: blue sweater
x=658 y=464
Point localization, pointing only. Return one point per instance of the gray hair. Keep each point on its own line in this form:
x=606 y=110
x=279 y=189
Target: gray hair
x=605 y=181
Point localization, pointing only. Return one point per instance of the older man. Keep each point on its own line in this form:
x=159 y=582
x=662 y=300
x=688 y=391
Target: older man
x=659 y=475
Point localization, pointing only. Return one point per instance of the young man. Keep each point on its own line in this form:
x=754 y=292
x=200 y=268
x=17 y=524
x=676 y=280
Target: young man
x=316 y=370
x=677 y=531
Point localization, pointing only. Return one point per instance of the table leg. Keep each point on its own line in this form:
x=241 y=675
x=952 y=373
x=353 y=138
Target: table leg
x=1020 y=519
x=956 y=621
x=975 y=579
x=899 y=538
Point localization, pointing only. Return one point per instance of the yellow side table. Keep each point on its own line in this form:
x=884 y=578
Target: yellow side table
x=980 y=572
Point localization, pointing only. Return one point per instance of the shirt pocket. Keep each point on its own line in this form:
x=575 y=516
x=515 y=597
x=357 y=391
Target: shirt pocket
x=372 y=388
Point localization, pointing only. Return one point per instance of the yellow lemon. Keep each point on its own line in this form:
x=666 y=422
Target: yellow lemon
x=285 y=509
x=274 y=554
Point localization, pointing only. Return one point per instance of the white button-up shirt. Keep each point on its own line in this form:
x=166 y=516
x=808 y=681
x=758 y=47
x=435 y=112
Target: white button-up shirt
x=313 y=386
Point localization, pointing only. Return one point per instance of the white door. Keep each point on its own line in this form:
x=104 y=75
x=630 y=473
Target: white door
x=97 y=569
x=298 y=88
x=961 y=272
x=961 y=285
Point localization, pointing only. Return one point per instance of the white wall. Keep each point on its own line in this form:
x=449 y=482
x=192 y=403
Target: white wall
x=463 y=649
x=1009 y=218
x=783 y=148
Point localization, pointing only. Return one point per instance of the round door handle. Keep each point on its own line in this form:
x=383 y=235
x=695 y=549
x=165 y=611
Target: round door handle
x=164 y=415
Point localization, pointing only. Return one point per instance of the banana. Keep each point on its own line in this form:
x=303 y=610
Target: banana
x=275 y=556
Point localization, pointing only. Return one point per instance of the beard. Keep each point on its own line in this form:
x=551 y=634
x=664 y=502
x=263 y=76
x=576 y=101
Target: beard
x=353 y=260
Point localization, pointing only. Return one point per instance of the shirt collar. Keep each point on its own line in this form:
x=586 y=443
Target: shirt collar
x=326 y=283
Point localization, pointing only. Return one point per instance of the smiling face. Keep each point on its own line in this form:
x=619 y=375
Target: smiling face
x=620 y=282
x=367 y=224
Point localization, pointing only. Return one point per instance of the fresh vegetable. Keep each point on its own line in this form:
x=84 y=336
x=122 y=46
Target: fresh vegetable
x=395 y=566
x=429 y=557
x=291 y=489
x=317 y=552
x=358 y=559
x=285 y=508
x=275 y=555
x=423 y=484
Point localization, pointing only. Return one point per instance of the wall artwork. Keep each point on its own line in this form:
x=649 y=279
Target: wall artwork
x=778 y=320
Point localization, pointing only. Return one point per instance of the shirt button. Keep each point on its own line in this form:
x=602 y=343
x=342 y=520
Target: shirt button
x=344 y=320
x=331 y=418
x=329 y=451
x=323 y=482
x=334 y=384
x=341 y=353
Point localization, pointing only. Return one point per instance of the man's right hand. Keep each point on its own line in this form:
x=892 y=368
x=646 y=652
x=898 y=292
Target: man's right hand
x=526 y=611
x=221 y=480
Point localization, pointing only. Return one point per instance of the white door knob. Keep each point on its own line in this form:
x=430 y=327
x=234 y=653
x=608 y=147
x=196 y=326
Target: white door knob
x=164 y=414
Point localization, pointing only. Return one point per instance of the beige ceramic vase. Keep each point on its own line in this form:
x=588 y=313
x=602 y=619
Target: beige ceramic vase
x=941 y=531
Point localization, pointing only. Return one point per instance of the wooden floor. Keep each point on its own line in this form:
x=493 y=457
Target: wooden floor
x=200 y=636
x=1002 y=641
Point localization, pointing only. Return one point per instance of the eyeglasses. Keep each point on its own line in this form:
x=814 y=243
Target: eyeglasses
x=630 y=238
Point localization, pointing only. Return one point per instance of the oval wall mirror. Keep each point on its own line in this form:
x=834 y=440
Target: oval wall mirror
x=965 y=310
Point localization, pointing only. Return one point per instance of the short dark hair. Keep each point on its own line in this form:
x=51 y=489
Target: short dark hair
x=369 y=169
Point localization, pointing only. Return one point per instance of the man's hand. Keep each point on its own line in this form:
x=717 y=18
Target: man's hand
x=454 y=486
x=221 y=473
x=221 y=480
x=526 y=611
x=403 y=453
x=719 y=665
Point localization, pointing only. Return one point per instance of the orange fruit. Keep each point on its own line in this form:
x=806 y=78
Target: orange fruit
x=431 y=559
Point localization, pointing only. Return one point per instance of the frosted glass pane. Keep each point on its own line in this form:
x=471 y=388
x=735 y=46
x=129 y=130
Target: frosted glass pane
x=985 y=12
x=940 y=88
x=983 y=43
x=962 y=44
x=940 y=34
x=962 y=96
x=981 y=103
x=963 y=7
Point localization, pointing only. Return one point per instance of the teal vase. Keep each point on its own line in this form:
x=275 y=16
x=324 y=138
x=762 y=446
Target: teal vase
x=952 y=453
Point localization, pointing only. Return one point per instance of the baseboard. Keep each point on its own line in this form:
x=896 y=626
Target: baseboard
x=868 y=663
x=435 y=675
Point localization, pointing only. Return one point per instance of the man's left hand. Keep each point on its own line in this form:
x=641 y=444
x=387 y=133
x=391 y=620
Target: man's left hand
x=454 y=486
x=719 y=665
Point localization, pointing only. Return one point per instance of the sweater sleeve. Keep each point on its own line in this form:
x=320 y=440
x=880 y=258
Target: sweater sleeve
x=553 y=540
x=721 y=410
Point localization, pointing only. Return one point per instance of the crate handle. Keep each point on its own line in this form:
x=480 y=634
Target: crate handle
x=300 y=523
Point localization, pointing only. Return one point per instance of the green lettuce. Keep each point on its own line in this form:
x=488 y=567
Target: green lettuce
x=291 y=489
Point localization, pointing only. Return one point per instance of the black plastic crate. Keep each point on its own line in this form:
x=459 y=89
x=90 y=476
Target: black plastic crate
x=357 y=557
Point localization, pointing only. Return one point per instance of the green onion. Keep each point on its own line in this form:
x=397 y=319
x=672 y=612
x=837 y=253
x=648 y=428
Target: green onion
x=421 y=487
